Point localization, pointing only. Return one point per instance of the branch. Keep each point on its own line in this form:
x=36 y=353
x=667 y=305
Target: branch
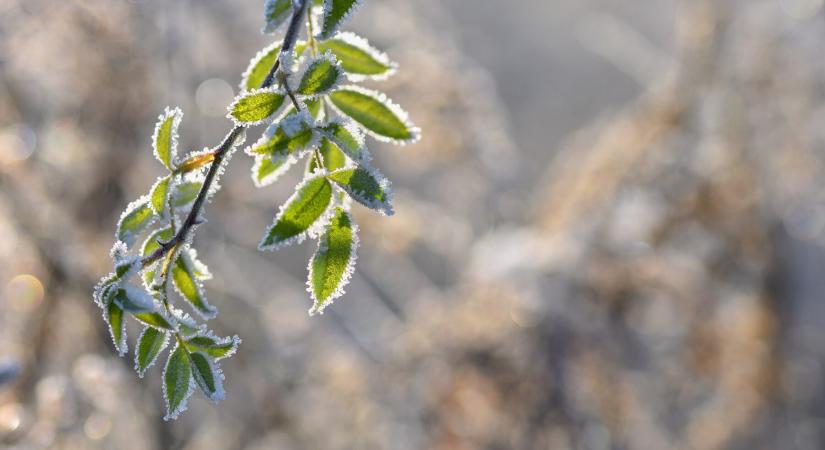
x=222 y=150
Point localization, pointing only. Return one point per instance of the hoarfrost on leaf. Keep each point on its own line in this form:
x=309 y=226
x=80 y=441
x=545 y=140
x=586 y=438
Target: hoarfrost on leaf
x=332 y=266
x=150 y=344
x=376 y=113
x=359 y=59
x=165 y=137
x=301 y=215
x=177 y=382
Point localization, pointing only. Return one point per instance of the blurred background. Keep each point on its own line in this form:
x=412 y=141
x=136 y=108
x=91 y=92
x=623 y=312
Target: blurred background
x=612 y=235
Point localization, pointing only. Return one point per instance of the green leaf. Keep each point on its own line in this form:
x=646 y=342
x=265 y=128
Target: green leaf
x=359 y=59
x=336 y=12
x=159 y=194
x=188 y=286
x=256 y=106
x=165 y=137
x=207 y=376
x=259 y=67
x=322 y=75
x=291 y=135
x=382 y=118
x=186 y=193
x=177 y=382
x=265 y=171
x=298 y=215
x=276 y=13
x=117 y=327
x=214 y=347
x=348 y=138
x=134 y=220
x=134 y=300
x=150 y=343
x=366 y=186
x=332 y=156
x=331 y=267
x=155 y=319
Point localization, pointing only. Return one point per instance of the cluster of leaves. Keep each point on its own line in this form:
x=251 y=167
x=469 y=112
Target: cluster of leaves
x=304 y=91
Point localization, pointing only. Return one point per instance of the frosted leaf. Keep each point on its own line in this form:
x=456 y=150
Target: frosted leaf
x=256 y=106
x=276 y=14
x=165 y=137
x=105 y=290
x=367 y=186
x=149 y=345
x=332 y=157
x=283 y=144
x=208 y=376
x=301 y=215
x=159 y=194
x=189 y=287
x=137 y=217
x=177 y=382
x=377 y=114
x=113 y=315
x=259 y=67
x=330 y=269
x=213 y=346
x=156 y=319
x=319 y=76
x=134 y=300
x=348 y=138
x=359 y=59
x=336 y=12
x=186 y=192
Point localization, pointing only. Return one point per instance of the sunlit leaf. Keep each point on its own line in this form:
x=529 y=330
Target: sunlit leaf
x=348 y=138
x=259 y=67
x=332 y=156
x=366 y=186
x=382 y=118
x=256 y=106
x=359 y=59
x=299 y=214
x=322 y=74
x=165 y=137
x=150 y=343
x=159 y=194
x=331 y=267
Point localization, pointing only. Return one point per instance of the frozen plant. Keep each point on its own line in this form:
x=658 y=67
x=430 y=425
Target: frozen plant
x=302 y=90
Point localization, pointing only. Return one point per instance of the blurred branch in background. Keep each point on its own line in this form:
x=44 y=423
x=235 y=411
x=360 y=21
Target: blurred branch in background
x=658 y=287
